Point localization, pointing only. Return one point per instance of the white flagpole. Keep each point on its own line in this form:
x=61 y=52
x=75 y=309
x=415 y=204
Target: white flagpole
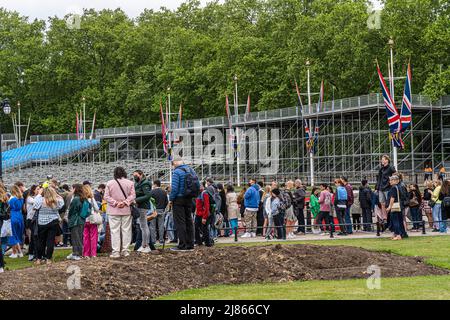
x=169 y=148
x=311 y=156
x=395 y=150
x=236 y=113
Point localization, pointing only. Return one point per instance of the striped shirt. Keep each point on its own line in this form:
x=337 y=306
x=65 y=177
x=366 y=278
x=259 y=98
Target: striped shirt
x=47 y=214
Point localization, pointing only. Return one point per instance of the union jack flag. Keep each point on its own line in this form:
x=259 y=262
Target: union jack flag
x=393 y=117
x=406 y=114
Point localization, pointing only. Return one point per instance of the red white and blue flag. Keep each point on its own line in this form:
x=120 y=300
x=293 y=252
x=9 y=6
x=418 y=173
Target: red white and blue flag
x=406 y=113
x=393 y=117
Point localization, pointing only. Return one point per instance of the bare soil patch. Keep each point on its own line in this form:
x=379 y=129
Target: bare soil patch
x=148 y=276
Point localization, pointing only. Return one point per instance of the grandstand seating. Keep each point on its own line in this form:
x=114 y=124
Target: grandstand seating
x=45 y=152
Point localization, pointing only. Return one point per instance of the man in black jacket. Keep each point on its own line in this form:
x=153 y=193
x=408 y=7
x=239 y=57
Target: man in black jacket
x=365 y=201
x=382 y=187
x=299 y=205
x=161 y=202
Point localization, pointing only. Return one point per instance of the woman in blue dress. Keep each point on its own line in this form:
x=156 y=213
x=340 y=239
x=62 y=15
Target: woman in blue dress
x=17 y=224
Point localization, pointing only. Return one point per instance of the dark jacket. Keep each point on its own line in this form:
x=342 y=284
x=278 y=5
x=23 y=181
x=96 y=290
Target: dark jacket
x=143 y=195
x=299 y=198
x=160 y=197
x=365 y=197
x=383 y=178
x=76 y=206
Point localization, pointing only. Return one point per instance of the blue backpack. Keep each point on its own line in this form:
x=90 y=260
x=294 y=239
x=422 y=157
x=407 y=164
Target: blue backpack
x=341 y=194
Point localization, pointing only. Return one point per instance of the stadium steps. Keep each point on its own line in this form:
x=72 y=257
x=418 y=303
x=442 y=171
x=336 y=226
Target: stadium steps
x=45 y=152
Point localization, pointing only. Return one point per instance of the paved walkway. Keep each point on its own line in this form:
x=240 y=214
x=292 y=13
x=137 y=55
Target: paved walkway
x=318 y=237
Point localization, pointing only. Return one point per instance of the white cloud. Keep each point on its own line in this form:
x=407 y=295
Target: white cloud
x=42 y=9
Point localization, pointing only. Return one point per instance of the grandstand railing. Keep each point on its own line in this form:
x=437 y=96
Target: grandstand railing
x=365 y=101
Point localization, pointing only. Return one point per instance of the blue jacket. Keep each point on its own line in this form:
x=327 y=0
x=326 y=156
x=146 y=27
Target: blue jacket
x=178 y=178
x=251 y=197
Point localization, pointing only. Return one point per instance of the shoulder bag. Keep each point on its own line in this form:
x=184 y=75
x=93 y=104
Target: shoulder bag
x=135 y=213
x=396 y=205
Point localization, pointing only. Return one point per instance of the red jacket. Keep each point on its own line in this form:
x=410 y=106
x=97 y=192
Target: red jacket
x=202 y=205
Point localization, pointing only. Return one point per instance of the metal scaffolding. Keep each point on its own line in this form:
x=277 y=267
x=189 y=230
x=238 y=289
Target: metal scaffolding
x=353 y=137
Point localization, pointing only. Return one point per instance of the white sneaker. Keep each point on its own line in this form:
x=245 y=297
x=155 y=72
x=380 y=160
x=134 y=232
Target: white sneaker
x=145 y=250
x=70 y=257
x=20 y=255
x=253 y=235
x=76 y=258
x=30 y=257
x=246 y=235
x=115 y=255
x=1 y=270
x=140 y=249
x=126 y=253
x=13 y=256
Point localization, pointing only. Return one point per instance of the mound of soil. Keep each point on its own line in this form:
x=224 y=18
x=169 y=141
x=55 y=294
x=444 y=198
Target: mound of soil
x=148 y=276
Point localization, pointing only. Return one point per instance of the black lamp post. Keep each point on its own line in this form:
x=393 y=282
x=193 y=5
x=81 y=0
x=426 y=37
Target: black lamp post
x=6 y=108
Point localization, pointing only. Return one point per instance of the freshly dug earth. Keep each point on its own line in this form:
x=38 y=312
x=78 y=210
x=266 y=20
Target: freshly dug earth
x=148 y=276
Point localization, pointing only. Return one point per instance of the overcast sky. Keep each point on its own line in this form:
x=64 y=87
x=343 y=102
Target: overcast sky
x=42 y=9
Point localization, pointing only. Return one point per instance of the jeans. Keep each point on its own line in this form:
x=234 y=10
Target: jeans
x=76 y=236
x=143 y=225
x=416 y=215
x=367 y=218
x=182 y=215
x=348 y=220
x=170 y=227
x=233 y=225
x=324 y=215
x=437 y=215
x=340 y=212
x=202 y=235
x=158 y=223
x=279 y=226
x=299 y=212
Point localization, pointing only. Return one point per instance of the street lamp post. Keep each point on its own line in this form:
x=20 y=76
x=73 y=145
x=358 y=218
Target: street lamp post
x=5 y=106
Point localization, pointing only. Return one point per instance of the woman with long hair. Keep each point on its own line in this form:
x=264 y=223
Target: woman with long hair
x=3 y=216
x=79 y=210
x=232 y=208
x=17 y=223
x=29 y=204
x=47 y=204
x=90 y=231
x=340 y=205
x=395 y=208
x=415 y=202
x=426 y=207
x=437 y=205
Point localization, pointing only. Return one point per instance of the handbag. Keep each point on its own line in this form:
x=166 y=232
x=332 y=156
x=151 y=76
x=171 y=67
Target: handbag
x=95 y=217
x=413 y=202
x=6 y=230
x=396 y=205
x=135 y=213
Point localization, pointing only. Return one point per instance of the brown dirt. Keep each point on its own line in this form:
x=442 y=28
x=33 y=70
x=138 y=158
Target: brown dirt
x=150 y=276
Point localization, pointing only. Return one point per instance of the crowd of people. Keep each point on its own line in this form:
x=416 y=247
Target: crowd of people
x=190 y=212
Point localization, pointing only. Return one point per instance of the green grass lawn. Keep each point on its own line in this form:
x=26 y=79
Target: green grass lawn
x=436 y=251
x=427 y=288
x=21 y=263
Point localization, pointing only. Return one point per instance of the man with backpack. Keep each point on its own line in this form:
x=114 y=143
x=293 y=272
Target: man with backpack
x=184 y=187
x=203 y=218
